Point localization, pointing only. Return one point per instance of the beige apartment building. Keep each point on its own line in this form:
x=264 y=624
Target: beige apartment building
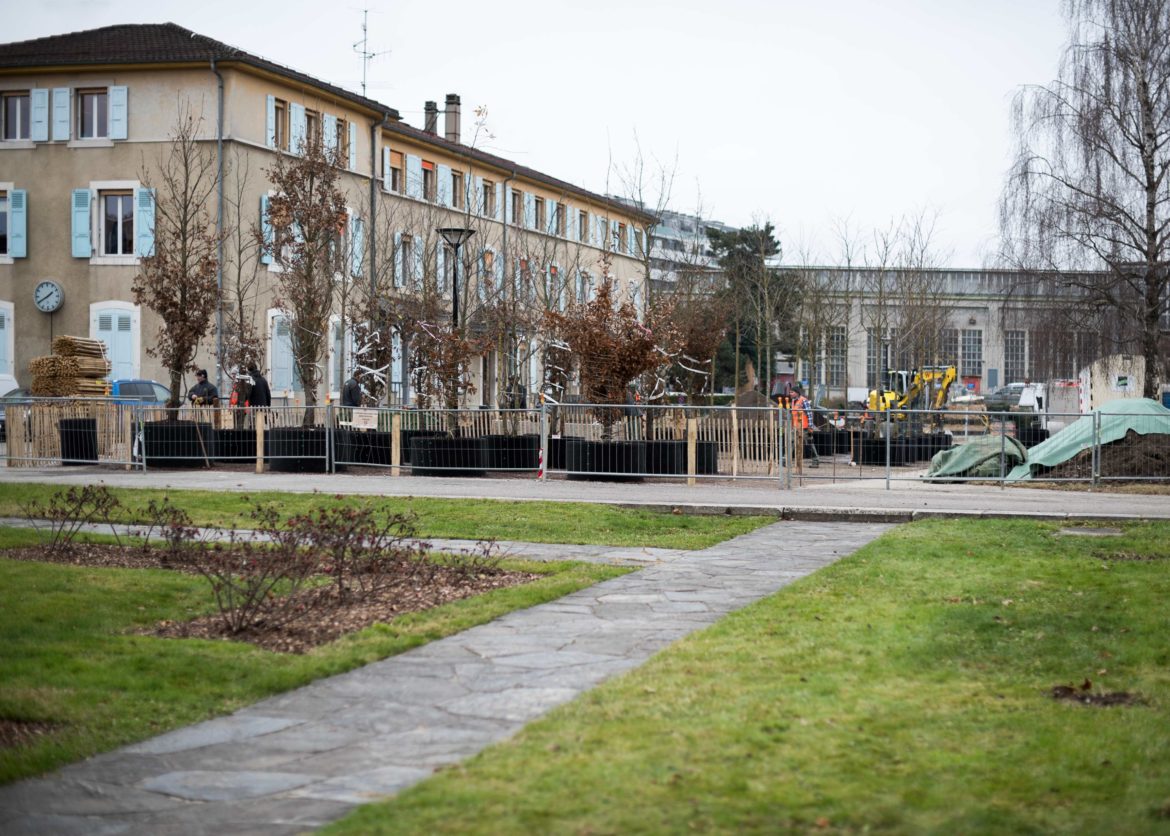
x=86 y=117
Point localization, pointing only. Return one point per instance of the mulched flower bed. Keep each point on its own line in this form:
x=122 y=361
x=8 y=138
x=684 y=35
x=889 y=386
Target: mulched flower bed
x=327 y=621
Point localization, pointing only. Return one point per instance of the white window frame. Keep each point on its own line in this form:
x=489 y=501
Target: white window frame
x=78 y=96
x=8 y=310
x=26 y=140
x=95 y=310
x=6 y=189
x=97 y=219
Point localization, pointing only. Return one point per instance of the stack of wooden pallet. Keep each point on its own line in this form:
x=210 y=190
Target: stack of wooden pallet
x=77 y=367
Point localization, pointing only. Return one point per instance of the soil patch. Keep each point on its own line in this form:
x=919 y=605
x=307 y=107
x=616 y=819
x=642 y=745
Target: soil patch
x=97 y=555
x=19 y=733
x=1083 y=694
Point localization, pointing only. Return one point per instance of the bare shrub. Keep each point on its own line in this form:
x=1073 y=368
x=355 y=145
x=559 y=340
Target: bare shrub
x=70 y=510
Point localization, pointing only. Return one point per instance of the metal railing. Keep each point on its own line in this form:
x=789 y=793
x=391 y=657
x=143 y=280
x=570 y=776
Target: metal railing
x=591 y=441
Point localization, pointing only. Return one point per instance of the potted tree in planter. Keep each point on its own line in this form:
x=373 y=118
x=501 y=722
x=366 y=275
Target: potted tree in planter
x=610 y=348
x=177 y=280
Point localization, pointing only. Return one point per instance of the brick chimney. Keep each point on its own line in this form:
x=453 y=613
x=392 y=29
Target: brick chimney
x=431 y=118
x=452 y=117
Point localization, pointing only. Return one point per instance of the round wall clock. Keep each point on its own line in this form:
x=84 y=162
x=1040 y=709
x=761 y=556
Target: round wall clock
x=48 y=296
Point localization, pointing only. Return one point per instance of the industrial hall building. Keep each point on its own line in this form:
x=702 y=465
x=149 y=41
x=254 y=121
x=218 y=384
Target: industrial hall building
x=85 y=116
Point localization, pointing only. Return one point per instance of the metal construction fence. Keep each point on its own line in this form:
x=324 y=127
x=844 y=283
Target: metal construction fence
x=592 y=441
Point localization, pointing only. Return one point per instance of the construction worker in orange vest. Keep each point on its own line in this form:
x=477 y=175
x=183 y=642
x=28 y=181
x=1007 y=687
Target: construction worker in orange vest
x=801 y=408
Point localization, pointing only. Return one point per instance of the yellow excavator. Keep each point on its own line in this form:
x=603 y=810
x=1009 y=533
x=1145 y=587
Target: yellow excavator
x=920 y=389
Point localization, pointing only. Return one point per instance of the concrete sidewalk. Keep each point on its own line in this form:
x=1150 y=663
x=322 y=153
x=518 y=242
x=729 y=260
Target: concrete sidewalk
x=300 y=760
x=816 y=498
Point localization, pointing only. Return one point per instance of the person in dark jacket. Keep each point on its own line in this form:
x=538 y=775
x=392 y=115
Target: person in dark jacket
x=261 y=395
x=203 y=393
x=351 y=392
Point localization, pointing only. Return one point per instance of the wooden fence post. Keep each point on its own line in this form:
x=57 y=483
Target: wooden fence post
x=395 y=443
x=260 y=440
x=692 y=444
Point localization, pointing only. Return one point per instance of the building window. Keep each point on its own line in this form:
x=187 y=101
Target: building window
x=93 y=114
x=971 y=361
x=1015 y=356
x=16 y=115
x=538 y=213
x=117 y=222
x=518 y=207
x=405 y=261
x=428 y=175
x=583 y=226
x=950 y=346
x=341 y=143
x=312 y=128
x=838 y=356
x=873 y=360
x=3 y=223
x=396 y=171
x=281 y=124
x=559 y=219
x=619 y=237
x=488 y=198
x=457 y=192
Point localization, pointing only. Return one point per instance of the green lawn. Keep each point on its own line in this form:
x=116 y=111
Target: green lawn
x=69 y=655
x=902 y=690
x=535 y=522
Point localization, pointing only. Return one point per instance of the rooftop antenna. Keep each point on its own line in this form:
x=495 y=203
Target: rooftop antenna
x=367 y=56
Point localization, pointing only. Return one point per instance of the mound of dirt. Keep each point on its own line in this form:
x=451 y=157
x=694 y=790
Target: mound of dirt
x=1086 y=696
x=1136 y=456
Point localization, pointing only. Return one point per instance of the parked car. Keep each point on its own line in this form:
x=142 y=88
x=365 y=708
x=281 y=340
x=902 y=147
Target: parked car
x=12 y=397
x=139 y=391
x=1004 y=398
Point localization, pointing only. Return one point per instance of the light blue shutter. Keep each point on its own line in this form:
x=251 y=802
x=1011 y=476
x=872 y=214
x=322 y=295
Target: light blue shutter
x=396 y=355
x=60 y=114
x=17 y=224
x=386 y=181
x=282 y=359
x=270 y=121
x=144 y=222
x=529 y=210
x=296 y=122
x=113 y=327
x=82 y=243
x=481 y=277
x=476 y=201
x=570 y=223
x=508 y=207
x=598 y=231
x=414 y=177
x=119 y=113
x=399 y=271
x=329 y=128
x=444 y=191
x=417 y=252
x=613 y=242
x=499 y=201
x=499 y=262
x=353 y=147
x=357 y=233
x=265 y=231
x=630 y=250
x=39 y=131
x=440 y=266
x=552 y=216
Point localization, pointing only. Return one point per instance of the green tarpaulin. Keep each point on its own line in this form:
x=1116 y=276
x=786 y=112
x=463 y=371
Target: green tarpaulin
x=1139 y=415
x=978 y=458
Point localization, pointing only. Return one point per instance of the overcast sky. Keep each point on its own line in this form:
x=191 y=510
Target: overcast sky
x=798 y=112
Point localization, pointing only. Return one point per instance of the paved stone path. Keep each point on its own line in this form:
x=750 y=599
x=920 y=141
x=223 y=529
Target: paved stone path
x=300 y=760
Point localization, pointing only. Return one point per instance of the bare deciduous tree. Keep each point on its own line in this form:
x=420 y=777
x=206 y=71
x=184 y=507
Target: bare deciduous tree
x=178 y=280
x=1088 y=188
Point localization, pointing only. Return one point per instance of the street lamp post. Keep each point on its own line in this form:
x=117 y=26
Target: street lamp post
x=455 y=237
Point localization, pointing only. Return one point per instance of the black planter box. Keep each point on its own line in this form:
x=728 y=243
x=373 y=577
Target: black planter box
x=556 y=451
x=1031 y=436
x=446 y=456
x=873 y=452
x=78 y=441
x=669 y=458
x=409 y=435
x=178 y=444
x=605 y=460
x=511 y=452
x=238 y=445
x=300 y=449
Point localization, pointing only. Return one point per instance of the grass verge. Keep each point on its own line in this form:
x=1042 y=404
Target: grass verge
x=69 y=655
x=905 y=689
x=473 y=519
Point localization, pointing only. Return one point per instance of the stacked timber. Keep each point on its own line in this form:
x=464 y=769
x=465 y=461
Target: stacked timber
x=77 y=367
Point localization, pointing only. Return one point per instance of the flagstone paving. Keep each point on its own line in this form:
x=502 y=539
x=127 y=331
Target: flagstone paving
x=302 y=759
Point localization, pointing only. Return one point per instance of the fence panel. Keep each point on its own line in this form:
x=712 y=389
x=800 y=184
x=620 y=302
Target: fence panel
x=81 y=431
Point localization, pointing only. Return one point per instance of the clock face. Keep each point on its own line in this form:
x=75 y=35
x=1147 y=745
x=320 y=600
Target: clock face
x=48 y=296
